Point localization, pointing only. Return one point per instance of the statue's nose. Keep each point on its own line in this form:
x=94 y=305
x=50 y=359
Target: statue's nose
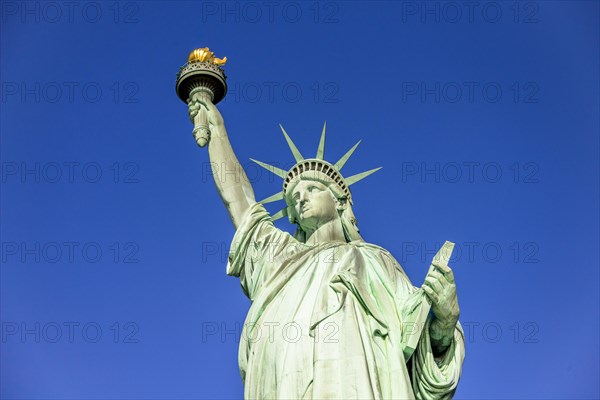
x=303 y=197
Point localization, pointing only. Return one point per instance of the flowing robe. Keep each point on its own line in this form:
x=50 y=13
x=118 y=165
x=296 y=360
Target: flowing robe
x=333 y=321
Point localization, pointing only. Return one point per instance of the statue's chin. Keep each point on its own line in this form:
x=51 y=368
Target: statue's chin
x=308 y=222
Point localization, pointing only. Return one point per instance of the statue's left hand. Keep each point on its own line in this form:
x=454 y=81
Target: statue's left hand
x=440 y=288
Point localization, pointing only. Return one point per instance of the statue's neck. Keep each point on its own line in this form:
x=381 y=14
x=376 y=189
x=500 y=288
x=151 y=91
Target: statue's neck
x=331 y=231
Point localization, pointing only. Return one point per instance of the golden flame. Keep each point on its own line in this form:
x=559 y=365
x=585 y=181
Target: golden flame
x=204 y=54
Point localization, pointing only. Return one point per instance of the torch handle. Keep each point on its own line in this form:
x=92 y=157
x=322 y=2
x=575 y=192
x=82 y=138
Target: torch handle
x=201 y=130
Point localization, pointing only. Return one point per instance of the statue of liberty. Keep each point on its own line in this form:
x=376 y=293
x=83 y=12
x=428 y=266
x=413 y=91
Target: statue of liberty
x=332 y=317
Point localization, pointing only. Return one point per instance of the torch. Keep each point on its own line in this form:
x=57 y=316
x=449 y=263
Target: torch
x=201 y=79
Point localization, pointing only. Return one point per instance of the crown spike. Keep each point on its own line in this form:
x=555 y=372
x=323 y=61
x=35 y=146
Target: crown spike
x=270 y=199
x=297 y=156
x=355 y=178
x=321 y=149
x=342 y=161
x=280 y=214
x=277 y=171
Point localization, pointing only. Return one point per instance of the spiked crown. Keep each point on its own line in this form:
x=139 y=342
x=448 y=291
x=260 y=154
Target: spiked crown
x=314 y=169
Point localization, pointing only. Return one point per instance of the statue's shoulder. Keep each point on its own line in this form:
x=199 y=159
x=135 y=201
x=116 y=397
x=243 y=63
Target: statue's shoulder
x=386 y=264
x=377 y=250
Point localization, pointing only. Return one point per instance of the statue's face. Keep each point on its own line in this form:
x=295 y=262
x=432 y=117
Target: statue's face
x=314 y=204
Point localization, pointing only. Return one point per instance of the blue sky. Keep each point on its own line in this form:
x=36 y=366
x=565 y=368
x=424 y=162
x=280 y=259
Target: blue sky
x=485 y=119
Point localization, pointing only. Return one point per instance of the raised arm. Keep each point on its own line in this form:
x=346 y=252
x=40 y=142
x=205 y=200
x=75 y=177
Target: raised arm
x=231 y=180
